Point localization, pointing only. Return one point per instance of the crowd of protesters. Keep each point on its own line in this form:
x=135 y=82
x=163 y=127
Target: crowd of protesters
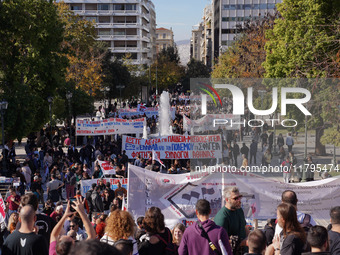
x=78 y=227
x=68 y=223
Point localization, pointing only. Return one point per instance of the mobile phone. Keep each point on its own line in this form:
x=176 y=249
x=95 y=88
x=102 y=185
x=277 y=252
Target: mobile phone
x=71 y=203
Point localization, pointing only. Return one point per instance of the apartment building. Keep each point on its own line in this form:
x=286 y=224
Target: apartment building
x=206 y=42
x=164 y=38
x=127 y=26
x=195 y=42
x=201 y=40
x=228 y=13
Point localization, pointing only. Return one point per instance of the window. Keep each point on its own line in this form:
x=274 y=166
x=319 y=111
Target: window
x=164 y=46
x=104 y=19
x=131 y=20
x=271 y=6
x=76 y=7
x=91 y=7
x=103 y=7
x=119 y=44
x=118 y=7
x=130 y=7
x=164 y=36
x=117 y=19
x=263 y=6
x=131 y=44
x=119 y=32
x=131 y=31
x=104 y=32
x=90 y=18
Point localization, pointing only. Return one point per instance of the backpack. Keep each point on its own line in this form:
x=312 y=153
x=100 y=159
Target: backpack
x=306 y=225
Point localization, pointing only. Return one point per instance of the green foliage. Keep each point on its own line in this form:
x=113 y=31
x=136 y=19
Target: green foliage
x=195 y=69
x=31 y=63
x=115 y=73
x=82 y=103
x=166 y=70
x=169 y=54
x=331 y=136
x=304 y=44
x=245 y=57
x=302 y=40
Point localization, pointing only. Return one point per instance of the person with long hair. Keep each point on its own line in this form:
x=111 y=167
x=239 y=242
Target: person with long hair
x=120 y=225
x=177 y=234
x=12 y=222
x=157 y=237
x=292 y=239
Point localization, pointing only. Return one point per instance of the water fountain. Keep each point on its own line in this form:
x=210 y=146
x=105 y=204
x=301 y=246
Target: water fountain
x=164 y=122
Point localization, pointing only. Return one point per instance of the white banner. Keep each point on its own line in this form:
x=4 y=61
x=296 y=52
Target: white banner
x=2 y=210
x=85 y=185
x=176 y=195
x=147 y=111
x=175 y=146
x=106 y=167
x=110 y=126
x=227 y=121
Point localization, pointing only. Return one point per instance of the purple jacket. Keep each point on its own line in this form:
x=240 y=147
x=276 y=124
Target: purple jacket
x=194 y=243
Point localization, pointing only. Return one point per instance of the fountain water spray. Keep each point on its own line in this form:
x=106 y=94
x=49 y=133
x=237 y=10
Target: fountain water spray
x=164 y=121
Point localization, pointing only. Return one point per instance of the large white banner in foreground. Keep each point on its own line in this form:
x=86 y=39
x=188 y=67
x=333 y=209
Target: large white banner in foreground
x=176 y=195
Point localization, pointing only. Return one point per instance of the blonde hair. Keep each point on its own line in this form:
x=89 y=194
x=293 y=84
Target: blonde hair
x=119 y=225
x=12 y=222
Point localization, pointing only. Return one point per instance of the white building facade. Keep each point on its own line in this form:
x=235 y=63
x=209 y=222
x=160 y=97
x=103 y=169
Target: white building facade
x=228 y=13
x=127 y=26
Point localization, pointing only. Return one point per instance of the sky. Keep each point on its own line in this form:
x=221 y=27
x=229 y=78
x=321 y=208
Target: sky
x=181 y=15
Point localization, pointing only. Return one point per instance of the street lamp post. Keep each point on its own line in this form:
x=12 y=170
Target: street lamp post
x=120 y=87
x=50 y=100
x=262 y=92
x=304 y=169
x=3 y=106
x=69 y=97
x=274 y=138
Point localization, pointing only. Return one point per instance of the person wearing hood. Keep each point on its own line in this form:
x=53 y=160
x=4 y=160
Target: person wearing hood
x=195 y=237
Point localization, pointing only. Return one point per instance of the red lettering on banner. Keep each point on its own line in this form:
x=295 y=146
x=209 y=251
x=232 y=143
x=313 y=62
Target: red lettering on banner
x=83 y=132
x=99 y=131
x=203 y=154
x=133 y=140
x=2 y=208
x=176 y=154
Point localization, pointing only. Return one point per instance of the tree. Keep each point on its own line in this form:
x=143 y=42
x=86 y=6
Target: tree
x=166 y=70
x=115 y=73
x=84 y=54
x=195 y=69
x=303 y=44
x=31 y=62
x=245 y=57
